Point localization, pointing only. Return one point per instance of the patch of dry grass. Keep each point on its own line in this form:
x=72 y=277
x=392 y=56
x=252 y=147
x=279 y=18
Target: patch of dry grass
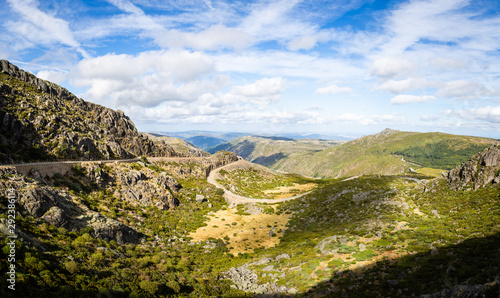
x=245 y=232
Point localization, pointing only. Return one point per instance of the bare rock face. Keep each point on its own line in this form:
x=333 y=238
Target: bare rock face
x=147 y=188
x=131 y=178
x=110 y=229
x=167 y=181
x=56 y=216
x=481 y=170
x=57 y=208
x=39 y=200
x=48 y=122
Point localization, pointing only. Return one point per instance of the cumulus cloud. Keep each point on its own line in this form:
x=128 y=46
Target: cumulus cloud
x=54 y=76
x=292 y=64
x=146 y=79
x=405 y=99
x=409 y=84
x=464 y=89
x=392 y=67
x=333 y=89
x=489 y=114
x=213 y=38
x=263 y=90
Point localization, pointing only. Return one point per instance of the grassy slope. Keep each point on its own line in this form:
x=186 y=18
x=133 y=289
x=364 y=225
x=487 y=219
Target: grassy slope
x=267 y=151
x=374 y=154
x=411 y=241
x=410 y=237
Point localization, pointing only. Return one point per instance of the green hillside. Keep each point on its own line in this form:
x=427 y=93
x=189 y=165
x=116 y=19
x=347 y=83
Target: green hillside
x=268 y=151
x=389 y=152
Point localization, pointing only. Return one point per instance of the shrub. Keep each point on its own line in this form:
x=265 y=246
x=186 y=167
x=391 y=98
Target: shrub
x=149 y=286
x=71 y=266
x=174 y=286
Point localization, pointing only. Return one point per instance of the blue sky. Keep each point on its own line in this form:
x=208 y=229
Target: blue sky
x=336 y=67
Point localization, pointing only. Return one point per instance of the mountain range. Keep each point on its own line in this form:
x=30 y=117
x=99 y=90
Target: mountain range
x=91 y=207
x=390 y=152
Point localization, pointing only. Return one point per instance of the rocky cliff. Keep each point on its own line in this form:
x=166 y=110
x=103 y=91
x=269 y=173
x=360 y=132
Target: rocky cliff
x=40 y=120
x=61 y=208
x=482 y=169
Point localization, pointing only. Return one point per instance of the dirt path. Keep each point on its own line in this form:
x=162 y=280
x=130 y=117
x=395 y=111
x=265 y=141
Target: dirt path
x=235 y=199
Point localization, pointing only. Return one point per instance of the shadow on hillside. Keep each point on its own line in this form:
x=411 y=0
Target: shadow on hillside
x=244 y=149
x=269 y=160
x=468 y=269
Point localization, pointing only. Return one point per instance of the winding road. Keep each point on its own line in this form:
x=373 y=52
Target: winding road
x=234 y=199
x=51 y=168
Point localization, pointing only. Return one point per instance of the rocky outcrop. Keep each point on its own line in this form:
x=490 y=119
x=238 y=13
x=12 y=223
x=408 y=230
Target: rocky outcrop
x=168 y=182
x=38 y=200
x=110 y=229
x=218 y=159
x=59 y=209
x=40 y=120
x=145 y=187
x=482 y=169
x=246 y=280
x=487 y=290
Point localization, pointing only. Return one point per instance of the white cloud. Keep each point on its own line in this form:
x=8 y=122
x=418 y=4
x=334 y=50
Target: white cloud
x=431 y=19
x=257 y=95
x=333 y=89
x=367 y=119
x=405 y=99
x=268 y=88
x=39 y=27
x=146 y=79
x=213 y=38
x=302 y=43
x=291 y=64
x=392 y=67
x=464 y=89
x=406 y=85
x=53 y=76
x=489 y=114
x=448 y=63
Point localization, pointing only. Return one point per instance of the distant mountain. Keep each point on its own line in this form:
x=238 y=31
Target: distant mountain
x=203 y=139
x=179 y=145
x=209 y=139
x=40 y=120
x=268 y=151
x=205 y=142
x=389 y=152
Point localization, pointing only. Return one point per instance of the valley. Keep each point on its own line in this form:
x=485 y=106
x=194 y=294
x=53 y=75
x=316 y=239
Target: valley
x=103 y=210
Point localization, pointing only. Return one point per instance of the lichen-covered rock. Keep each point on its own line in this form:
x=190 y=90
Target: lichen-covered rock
x=57 y=208
x=482 y=169
x=132 y=178
x=146 y=187
x=167 y=181
x=109 y=229
x=56 y=216
x=38 y=200
x=246 y=280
